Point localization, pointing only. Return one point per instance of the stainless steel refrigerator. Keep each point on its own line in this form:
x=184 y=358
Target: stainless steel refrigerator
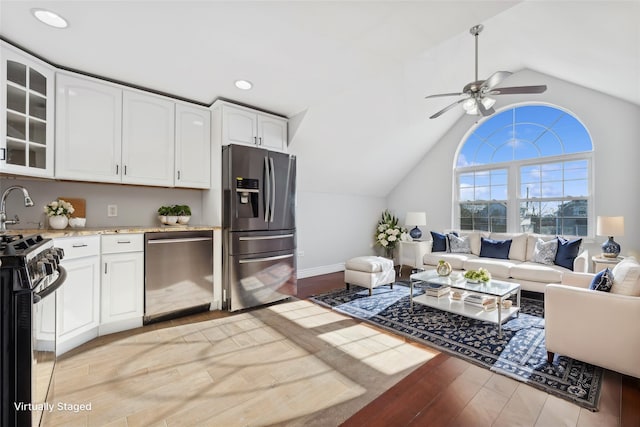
x=259 y=228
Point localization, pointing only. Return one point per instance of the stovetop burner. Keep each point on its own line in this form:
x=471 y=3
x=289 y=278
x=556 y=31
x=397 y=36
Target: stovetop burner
x=5 y=239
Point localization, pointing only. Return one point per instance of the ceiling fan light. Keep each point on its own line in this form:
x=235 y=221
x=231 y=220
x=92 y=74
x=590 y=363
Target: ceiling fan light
x=488 y=102
x=470 y=106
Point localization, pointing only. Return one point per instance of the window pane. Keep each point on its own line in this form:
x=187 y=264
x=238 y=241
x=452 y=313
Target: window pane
x=499 y=192
x=553 y=197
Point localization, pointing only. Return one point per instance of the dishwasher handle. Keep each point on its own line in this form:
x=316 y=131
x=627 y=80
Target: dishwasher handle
x=182 y=240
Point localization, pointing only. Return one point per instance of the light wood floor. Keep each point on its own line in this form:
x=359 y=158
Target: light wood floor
x=295 y=364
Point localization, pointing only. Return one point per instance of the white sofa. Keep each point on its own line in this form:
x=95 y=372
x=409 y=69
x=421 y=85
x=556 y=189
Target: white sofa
x=596 y=327
x=519 y=268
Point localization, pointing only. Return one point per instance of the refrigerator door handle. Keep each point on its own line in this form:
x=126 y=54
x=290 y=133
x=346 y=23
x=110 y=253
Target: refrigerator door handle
x=279 y=236
x=273 y=191
x=267 y=184
x=271 y=258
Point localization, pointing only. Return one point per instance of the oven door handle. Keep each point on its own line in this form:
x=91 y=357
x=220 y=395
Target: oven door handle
x=62 y=276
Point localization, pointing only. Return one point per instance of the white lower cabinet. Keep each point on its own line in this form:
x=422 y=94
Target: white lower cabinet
x=78 y=299
x=122 y=293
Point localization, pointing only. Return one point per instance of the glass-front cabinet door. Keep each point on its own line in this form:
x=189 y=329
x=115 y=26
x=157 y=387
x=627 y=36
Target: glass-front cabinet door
x=26 y=144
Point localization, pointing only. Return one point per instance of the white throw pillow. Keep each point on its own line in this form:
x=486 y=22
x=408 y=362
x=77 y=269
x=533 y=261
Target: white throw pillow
x=545 y=252
x=459 y=244
x=626 y=277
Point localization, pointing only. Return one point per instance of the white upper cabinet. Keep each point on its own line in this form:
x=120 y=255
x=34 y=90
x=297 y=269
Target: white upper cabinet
x=88 y=130
x=27 y=122
x=147 y=139
x=193 y=147
x=244 y=126
x=108 y=133
x=272 y=132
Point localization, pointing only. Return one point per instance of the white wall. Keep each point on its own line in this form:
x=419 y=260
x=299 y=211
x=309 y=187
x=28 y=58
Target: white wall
x=615 y=131
x=137 y=206
x=333 y=228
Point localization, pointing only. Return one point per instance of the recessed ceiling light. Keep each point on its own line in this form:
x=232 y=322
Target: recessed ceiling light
x=50 y=18
x=244 y=84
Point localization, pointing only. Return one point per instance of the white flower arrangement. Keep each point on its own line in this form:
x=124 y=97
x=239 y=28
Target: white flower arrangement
x=58 y=208
x=388 y=232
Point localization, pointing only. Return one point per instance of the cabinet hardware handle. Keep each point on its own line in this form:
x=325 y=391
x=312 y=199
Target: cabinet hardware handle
x=255 y=140
x=81 y=245
x=117 y=169
x=178 y=174
x=4 y=154
x=125 y=169
x=105 y=268
x=260 y=140
x=124 y=241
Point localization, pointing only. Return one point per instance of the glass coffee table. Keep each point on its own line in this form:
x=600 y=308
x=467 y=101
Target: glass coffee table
x=498 y=289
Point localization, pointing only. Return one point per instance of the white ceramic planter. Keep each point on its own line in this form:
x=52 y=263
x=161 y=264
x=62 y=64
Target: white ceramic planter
x=184 y=219
x=58 y=222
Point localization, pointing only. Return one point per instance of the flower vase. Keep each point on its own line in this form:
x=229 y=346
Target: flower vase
x=443 y=268
x=58 y=222
x=388 y=253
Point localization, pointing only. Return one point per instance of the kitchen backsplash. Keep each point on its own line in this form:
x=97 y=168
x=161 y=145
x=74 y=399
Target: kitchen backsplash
x=135 y=205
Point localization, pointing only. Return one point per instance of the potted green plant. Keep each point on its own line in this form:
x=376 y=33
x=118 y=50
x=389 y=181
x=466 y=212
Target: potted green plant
x=184 y=214
x=166 y=215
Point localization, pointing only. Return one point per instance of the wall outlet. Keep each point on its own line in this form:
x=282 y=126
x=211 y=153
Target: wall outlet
x=112 y=210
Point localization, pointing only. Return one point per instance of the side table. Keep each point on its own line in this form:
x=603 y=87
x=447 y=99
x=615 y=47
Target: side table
x=600 y=262
x=411 y=252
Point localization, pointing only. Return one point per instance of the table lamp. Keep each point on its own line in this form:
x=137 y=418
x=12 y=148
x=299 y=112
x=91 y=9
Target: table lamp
x=416 y=219
x=610 y=226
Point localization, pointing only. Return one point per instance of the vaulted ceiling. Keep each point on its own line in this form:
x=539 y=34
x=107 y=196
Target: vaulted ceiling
x=352 y=75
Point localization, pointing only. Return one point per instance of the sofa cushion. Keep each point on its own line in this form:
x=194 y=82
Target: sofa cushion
x=518 y=250
x=603 y=281
x=456 y=260
x=545 y=252
x=537 y=272
x=439 y=242
x=490 y=248
x=474 y=239
x=459 y=244
x=626 y=277
x=567 y=252
x=499 y=268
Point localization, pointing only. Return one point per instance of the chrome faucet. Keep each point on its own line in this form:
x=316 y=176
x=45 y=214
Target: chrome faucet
x=3 y=206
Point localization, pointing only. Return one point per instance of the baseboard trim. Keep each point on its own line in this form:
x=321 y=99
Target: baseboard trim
x=317 y=271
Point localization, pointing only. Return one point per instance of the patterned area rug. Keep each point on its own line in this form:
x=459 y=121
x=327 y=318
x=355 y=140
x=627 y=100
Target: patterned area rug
x=520 y=353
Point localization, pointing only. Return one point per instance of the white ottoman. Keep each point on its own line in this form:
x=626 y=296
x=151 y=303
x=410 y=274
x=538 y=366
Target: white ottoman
x=369 y=272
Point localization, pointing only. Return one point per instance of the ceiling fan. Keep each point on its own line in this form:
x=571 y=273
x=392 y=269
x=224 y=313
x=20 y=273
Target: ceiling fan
x=477 y=99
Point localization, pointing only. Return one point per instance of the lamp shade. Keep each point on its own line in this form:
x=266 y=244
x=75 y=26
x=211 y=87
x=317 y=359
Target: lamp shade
x=415 y=218
x=610 y=226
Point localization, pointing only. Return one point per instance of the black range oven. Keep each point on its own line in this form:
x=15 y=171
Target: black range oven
x=30 y=272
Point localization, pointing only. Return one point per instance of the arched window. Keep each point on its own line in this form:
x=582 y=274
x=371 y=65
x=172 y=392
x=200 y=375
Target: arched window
x=527 y=169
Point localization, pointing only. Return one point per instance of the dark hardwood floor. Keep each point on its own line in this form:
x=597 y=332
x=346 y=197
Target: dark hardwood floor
x=424 y=397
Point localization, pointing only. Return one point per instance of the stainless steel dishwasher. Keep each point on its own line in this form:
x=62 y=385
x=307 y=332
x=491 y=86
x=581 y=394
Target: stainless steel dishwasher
x=178 y=273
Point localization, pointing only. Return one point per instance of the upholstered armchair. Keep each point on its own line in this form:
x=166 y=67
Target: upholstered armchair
x=601 y=328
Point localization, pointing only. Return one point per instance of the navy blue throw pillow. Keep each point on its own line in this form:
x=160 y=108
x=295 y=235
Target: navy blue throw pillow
x=567 y=252
x=603 y=281
x=495 y=248
x=439 y=242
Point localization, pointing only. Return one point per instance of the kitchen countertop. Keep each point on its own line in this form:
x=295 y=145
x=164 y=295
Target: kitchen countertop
x=71 y=232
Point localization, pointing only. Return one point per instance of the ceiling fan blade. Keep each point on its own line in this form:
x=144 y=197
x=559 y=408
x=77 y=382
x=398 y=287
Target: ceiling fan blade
x=495 y=79
x=518 y=89
x=444 y=94
x=447 y=108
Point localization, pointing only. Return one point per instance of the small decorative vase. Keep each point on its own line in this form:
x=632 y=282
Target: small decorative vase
x=388 y=253
x=443 y=268
x=58 y=222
